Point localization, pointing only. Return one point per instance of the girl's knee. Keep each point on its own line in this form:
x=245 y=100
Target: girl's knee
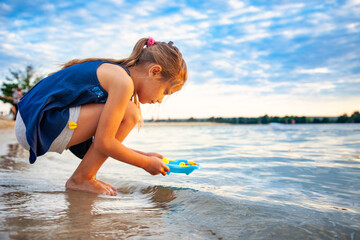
x=131 y=114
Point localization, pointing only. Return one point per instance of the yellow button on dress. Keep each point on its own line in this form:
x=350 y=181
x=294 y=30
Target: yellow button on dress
x=72 y=125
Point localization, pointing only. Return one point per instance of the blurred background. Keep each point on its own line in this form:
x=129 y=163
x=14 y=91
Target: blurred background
x=245 y=58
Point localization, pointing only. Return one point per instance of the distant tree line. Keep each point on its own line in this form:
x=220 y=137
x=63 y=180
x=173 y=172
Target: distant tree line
x=354 y=118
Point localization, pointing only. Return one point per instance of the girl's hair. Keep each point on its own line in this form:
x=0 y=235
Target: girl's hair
x=165 y=54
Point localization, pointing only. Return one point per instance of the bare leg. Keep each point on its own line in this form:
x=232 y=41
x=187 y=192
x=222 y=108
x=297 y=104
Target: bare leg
x=84 y=177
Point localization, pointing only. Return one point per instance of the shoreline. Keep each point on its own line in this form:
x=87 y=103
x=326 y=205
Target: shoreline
x=151 y=124
x=6 y=123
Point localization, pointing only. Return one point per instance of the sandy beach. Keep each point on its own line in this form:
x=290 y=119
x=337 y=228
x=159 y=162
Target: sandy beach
x=6 y=123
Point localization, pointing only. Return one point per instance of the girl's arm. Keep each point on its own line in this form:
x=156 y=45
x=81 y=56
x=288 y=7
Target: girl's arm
x=120 y=89
x=149 y=154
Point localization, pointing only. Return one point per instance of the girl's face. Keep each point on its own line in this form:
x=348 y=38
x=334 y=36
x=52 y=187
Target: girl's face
x=154 y=89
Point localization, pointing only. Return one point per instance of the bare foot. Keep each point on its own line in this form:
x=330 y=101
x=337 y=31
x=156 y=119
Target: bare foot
x=108 y=185
x=93 y=185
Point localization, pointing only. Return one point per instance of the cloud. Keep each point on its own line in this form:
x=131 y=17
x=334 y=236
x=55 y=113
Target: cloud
x=236 y=4
x=313 y=71
x=353 y=2
x=194 y=14
x=353 y=27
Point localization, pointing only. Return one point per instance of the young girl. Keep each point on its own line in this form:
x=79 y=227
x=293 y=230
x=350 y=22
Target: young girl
x=91 y=105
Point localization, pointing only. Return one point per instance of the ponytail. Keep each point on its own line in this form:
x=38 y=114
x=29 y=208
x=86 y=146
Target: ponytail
x=126 y=62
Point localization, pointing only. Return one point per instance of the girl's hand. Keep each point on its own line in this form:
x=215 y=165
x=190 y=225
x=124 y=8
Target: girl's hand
x=156 y=166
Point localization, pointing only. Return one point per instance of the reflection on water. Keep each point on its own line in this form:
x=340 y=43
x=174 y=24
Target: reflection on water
x=14 y=152
x=256 y=182
x=76 y=215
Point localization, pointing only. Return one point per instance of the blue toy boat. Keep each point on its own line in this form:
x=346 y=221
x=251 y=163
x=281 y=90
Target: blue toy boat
x=181 y=166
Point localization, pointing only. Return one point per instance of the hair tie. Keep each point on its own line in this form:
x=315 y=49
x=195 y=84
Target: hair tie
x=150 y=42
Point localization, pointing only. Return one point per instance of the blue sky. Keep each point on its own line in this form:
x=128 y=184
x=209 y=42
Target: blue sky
x=245 y=58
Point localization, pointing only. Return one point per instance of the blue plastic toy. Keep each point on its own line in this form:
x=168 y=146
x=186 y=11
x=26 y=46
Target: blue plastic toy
x=181 y=166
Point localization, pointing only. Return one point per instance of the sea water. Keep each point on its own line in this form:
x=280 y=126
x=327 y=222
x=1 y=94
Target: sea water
x=255 y=182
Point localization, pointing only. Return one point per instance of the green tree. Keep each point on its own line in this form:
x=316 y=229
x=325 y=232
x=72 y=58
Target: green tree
x=264 y=119
x=325 y=120
x=24 y=79
x=316 y=120
x=343 y=118
x=355 y=117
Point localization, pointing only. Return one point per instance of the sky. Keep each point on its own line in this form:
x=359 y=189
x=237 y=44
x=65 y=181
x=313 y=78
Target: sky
x=244 y=58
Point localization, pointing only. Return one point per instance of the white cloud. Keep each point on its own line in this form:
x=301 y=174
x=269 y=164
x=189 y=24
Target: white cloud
x=222 y=64
x=353 y=27
x=291 y=33
x=313 y=71
x=353 y=2
x=7 y=46
x=48 y=7
x=146 y=7
x=237 y=9
x=194 y=42
x=236 y=4
x=290 y=7
x=253 y=37
x=261 y=16
x=311 y=88
x=194 y=14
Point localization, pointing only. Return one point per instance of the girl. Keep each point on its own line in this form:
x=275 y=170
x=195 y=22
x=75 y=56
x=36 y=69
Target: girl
x=91 y=105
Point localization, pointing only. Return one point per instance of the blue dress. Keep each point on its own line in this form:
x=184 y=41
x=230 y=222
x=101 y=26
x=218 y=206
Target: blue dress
x=45 y=108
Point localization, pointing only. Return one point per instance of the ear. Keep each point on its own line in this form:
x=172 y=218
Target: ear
x=155 y=70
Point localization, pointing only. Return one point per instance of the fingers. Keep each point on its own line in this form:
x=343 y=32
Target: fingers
x=162 y=172
x=165 y=170
x=157 y=166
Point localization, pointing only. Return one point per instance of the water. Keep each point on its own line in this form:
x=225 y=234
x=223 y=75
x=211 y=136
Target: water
x=256 y=182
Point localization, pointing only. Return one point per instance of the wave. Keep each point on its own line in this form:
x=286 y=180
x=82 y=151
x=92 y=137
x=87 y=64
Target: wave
x=205 y=215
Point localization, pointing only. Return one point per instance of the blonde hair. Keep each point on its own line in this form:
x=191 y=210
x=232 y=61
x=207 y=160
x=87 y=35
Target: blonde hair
x=164 y=54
